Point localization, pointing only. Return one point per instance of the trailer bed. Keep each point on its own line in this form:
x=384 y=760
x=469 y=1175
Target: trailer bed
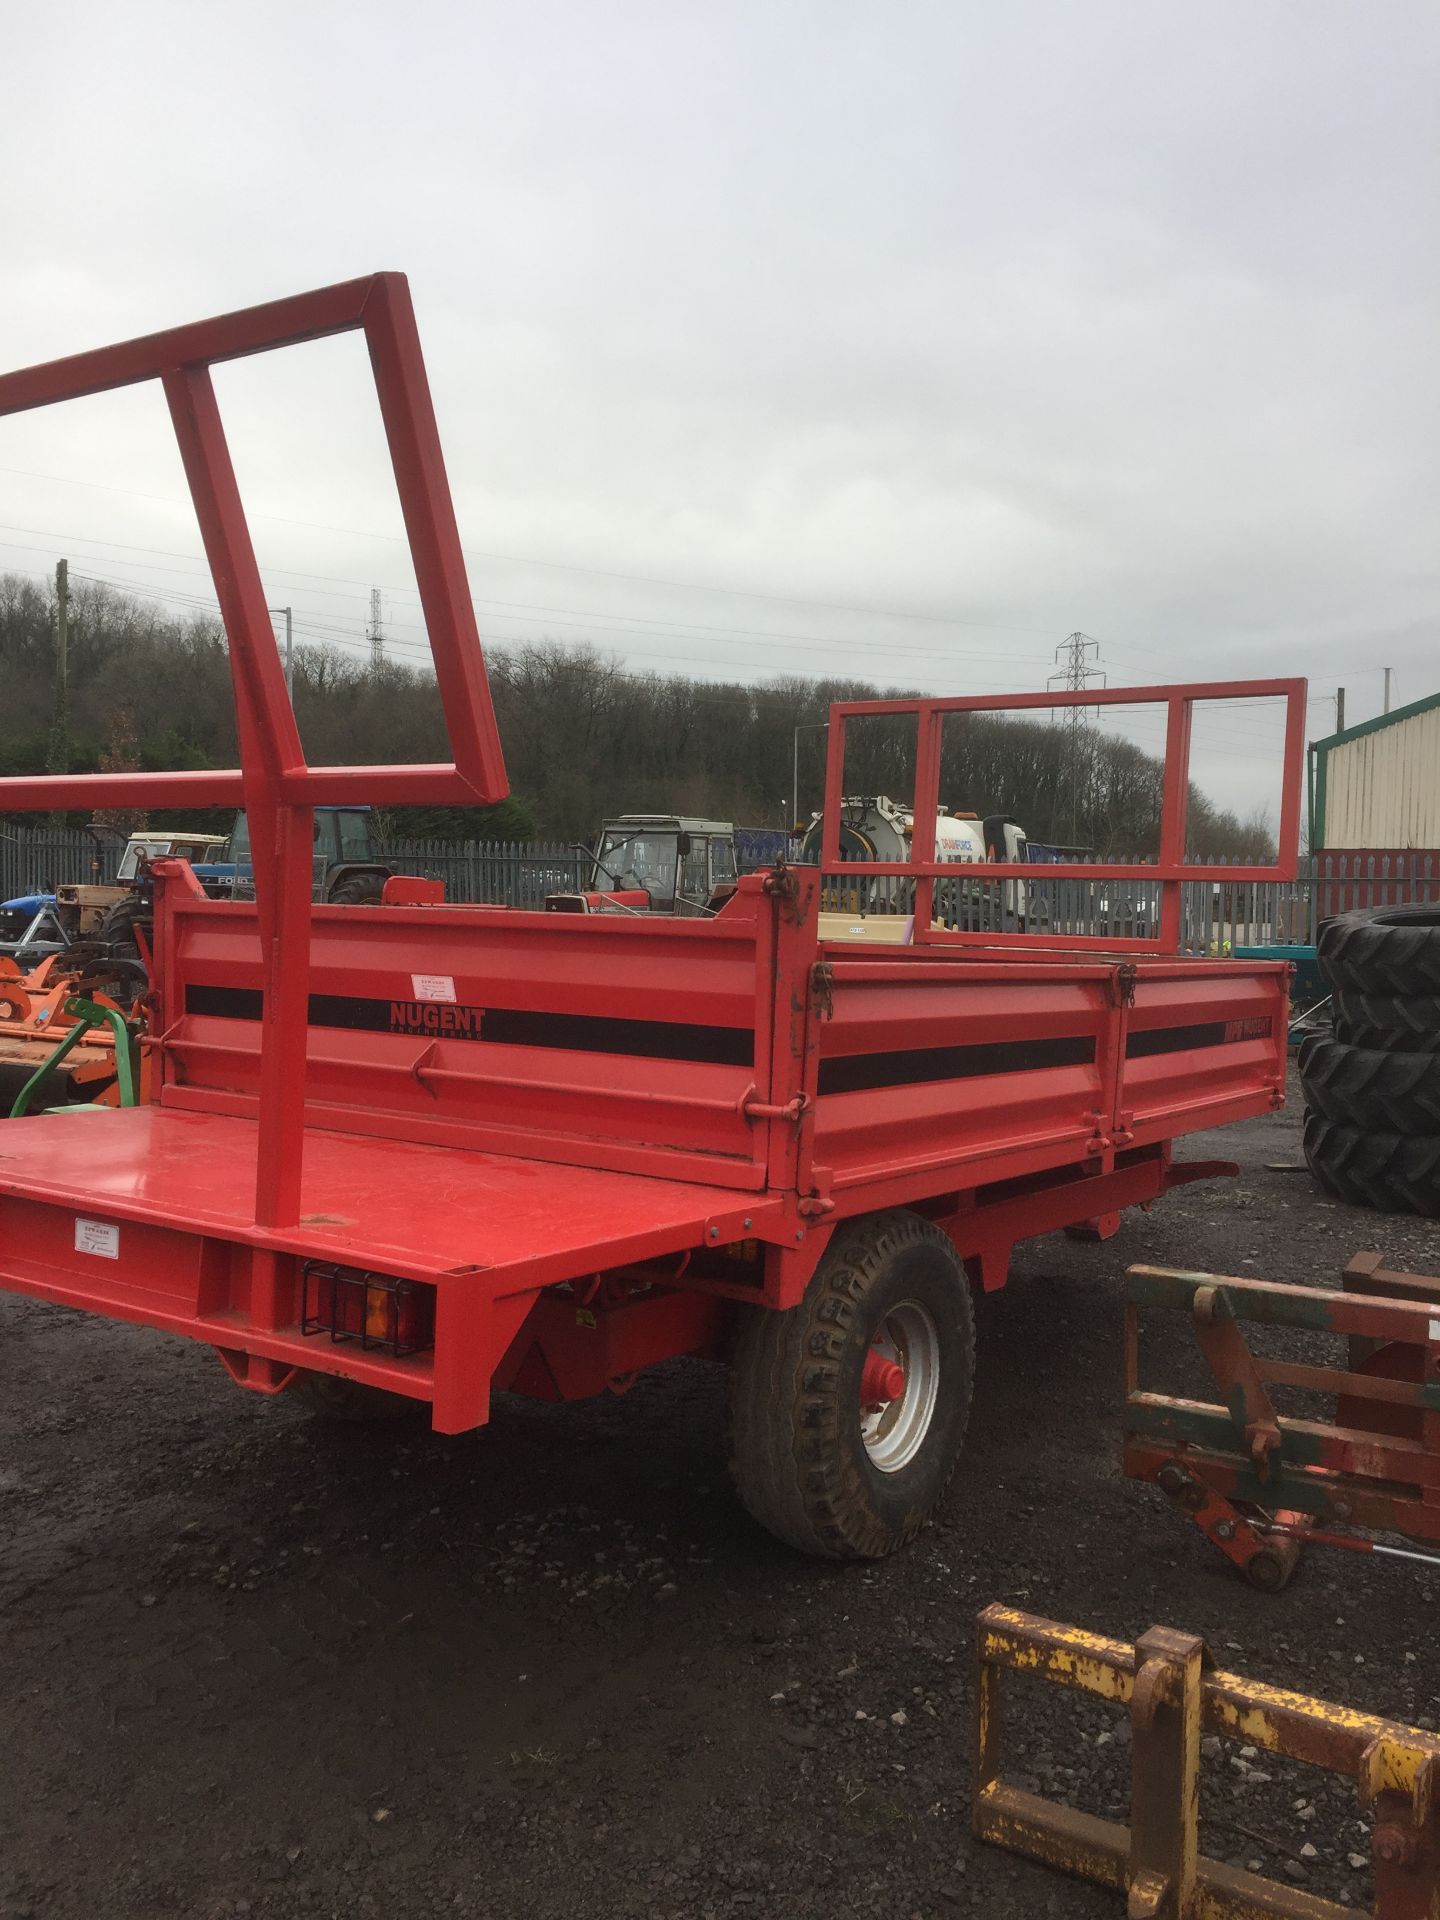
x=686 y=1106
x=423 y=1212
x=443 y=1149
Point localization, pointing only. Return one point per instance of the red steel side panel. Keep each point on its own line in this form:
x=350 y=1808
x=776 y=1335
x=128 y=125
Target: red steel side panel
x=1204 y=1048
x=599 y=1040
x=971 y=1071
x=959 y=1066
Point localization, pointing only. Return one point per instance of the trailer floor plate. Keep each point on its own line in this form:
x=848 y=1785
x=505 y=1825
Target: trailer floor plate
x=421 y=1210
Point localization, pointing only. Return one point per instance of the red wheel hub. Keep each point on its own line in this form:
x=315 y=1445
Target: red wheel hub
x=881 y=1380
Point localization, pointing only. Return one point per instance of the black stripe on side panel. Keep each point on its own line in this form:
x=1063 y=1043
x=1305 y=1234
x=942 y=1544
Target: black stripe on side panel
x=645 y=1039
x=443 y=1019
x=917 y=1066
x=1209 y=1033
x=225 y=1003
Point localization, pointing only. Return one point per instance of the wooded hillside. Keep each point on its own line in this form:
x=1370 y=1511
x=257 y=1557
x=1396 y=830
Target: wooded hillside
x=583 y=737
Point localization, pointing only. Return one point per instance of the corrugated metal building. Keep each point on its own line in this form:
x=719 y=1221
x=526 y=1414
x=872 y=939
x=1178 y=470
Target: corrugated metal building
x=1378 y=784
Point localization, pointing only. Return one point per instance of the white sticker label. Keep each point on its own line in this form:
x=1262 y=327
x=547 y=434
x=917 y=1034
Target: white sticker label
x=1435 y=1329
x=99 y=1237
x=433 y=986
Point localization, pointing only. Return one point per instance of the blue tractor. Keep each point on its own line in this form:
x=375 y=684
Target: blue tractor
x=346 y=869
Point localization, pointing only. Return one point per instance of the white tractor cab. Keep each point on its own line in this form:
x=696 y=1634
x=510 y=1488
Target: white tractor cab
x=84 y=908
x=875 y=827
x=656 y=863
x=53 y=918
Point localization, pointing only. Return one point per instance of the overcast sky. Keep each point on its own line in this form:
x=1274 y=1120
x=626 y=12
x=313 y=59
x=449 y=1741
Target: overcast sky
x=898 y=340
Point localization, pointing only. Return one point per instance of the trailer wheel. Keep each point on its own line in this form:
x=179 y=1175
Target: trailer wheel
x=849 y=1411
x=329 y=1397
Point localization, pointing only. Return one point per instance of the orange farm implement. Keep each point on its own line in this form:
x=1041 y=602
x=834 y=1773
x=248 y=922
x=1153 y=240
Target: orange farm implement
x=62 y=1041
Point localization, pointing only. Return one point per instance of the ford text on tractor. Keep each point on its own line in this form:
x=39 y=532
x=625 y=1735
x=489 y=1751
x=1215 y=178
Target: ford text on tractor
x=415 y=1154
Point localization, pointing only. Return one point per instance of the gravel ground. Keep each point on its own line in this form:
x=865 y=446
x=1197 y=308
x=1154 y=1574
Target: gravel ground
x=256 y=1666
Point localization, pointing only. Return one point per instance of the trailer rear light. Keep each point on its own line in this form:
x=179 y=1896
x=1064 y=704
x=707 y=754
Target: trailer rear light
x=350 y=1303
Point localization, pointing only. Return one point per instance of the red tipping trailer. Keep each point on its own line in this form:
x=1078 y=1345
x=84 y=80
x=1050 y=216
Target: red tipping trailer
x=418 y=1152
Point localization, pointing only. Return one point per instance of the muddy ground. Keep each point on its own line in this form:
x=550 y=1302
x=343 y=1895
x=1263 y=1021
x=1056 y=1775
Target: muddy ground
x=255 y=1666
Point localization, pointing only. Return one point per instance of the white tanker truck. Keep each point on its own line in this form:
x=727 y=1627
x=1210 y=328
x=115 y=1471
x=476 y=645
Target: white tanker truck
x=875 y=827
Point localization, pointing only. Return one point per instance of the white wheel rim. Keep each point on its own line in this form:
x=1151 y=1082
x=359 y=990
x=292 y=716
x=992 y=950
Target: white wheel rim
x=895 y=1430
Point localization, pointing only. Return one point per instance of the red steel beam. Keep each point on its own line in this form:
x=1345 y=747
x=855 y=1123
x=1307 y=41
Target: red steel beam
x=1090 y=697
x=229 y=336
x=380 y=306
x=1166 y=872
x=277 y=788
x=409 y=416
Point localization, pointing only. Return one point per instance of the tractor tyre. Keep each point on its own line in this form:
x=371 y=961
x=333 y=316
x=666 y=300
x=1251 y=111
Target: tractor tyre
x=1388 y=1022
x=1383 y=950
x=848 y=1411
x=360 y=890
x=1364 y=1087
x=116 y=931
x=115 y=939
x=1392 y=1172
x=329 y=1397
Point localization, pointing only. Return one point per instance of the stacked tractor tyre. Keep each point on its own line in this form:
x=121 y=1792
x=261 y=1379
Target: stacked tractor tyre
x=1372 y=1090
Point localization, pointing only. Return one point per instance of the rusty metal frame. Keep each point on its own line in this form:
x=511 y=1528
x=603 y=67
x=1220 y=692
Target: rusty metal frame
x=1175 y=1696
x=1169 y=870
x=275 y=785
x=1259 y=1483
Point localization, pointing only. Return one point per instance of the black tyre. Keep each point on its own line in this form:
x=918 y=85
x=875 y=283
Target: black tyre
x=329 y=1397
x=1383 y=950
x=1365 y=1087
x=115 y=938
x=360 y=890
x=1404 y=1023
x=116 y=931
x=1393 y=1172
x=823 y=1465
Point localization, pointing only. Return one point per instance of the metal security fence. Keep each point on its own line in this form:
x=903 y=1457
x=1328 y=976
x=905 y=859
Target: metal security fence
x=1218 y=916
x=511 y=873
x=1256 y=914
x=35 y=859
x=508 y=873
x=1215 y=917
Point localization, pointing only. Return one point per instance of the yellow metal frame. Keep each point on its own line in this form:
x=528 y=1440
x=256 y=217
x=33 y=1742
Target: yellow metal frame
x=1175 y=1696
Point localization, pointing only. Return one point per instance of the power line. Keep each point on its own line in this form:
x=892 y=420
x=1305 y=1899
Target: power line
x=538 y=613
x=144 y=588
x=563 y=566
x=348 y=638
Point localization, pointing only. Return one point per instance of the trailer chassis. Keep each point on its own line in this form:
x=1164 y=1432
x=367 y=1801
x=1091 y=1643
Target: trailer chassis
x=438 y=1151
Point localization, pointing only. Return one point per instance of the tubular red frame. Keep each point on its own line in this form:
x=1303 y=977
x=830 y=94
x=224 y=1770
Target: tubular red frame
x=274 y=783
x=1169 y=871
